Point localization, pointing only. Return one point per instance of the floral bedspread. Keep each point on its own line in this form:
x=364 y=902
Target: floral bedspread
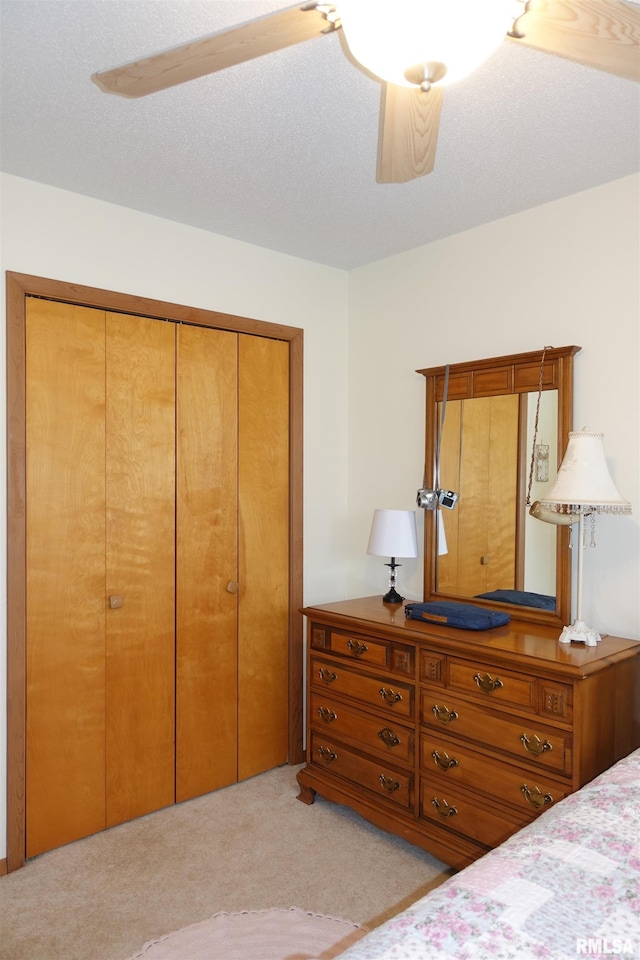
x=565 y=886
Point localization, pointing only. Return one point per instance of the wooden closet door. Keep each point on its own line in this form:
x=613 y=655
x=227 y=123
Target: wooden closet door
x=140 y=576
x=105 y=445
x=207 y=561
x=65 y=575
x=263 y=489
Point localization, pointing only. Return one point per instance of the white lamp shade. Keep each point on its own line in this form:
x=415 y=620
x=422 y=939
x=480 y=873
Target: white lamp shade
x=393 y=534
x=583 y=483
x=389 y=38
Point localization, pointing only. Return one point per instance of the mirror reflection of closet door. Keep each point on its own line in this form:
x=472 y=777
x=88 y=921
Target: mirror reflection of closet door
x=479 y=460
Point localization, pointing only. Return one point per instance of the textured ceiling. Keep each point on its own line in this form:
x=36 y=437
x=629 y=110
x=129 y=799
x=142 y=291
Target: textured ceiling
x=281 y=151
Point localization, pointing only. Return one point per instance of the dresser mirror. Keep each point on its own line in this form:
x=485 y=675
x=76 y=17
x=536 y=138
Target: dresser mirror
x=483 y=547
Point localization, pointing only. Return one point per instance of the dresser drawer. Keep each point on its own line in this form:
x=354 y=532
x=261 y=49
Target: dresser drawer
x=385 y=781
x=493 y=683
x=395 y=657
x=524 y=739
x=453 y=809
x=380 y=693
x=450 y=764
x=384 y=736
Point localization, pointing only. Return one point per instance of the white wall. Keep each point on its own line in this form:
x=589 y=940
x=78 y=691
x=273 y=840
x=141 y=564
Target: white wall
x=62 y=236
x=564 y=273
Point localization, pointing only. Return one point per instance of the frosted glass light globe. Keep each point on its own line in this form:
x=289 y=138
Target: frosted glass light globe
x=389 y=37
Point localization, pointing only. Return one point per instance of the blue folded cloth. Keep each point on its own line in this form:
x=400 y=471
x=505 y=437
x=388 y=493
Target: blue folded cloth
x=462 y=615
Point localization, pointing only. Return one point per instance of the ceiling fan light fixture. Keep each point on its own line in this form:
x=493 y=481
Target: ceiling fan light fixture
x=392 y=40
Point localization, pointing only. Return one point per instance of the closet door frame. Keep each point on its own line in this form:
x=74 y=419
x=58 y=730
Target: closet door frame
x=19 y=286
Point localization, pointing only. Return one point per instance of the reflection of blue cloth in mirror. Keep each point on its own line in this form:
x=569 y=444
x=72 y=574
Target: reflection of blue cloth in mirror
x=520 y=597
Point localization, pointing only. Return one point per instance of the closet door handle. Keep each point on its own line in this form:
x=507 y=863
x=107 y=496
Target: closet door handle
x=232 y=586
x=116 y=601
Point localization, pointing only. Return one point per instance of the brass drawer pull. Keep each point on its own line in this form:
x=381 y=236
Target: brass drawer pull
x=327 y=715
x=390 y=696
x=388 y=737
x=327 y=675
x=487 y=683
x=443 y=760
x=327 y=755
x=388 y=784
x=535 y=745
x=443 y=809
x=357 y=647
x=443 y=714
x=536 y=797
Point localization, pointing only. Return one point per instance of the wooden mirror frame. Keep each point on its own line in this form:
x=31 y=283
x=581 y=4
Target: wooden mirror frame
x=497 y=376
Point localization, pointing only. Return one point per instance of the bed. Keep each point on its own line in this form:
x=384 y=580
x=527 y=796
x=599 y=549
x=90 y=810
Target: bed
x=564 y=886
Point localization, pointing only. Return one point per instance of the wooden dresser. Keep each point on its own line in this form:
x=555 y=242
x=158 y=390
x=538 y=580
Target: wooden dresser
x=455 y=739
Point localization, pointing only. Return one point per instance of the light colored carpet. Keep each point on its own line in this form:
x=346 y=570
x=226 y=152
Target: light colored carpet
x=257 y=935
x=251 y=846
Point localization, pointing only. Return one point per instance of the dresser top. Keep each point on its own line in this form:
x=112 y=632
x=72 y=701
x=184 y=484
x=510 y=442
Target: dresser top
x=517 y=639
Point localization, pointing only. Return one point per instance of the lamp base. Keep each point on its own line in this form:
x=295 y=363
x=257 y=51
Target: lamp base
x=579 y=632
x=392 y=596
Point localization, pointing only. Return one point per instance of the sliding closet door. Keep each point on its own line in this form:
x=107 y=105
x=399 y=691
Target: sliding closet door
x=207 y=561
x=263 y=528
x=65 y=493
x=140 y=551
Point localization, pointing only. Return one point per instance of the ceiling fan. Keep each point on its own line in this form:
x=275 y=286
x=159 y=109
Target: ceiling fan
x=603 y=34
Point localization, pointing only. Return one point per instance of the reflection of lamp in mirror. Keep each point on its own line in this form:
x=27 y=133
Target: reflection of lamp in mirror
x=393 y=534
x=583 y=487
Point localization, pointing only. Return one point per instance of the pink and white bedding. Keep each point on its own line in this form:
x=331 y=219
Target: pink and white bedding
x=566 y=885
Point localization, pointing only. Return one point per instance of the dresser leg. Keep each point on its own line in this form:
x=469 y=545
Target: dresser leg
x=307 y=794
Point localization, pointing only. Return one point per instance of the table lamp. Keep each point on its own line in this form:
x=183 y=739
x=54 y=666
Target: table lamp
x=393 y=534
x=584 y=487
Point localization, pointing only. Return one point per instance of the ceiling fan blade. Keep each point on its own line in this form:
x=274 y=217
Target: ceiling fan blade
x=604 y=34
x=409 y=120
x=278 y=30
